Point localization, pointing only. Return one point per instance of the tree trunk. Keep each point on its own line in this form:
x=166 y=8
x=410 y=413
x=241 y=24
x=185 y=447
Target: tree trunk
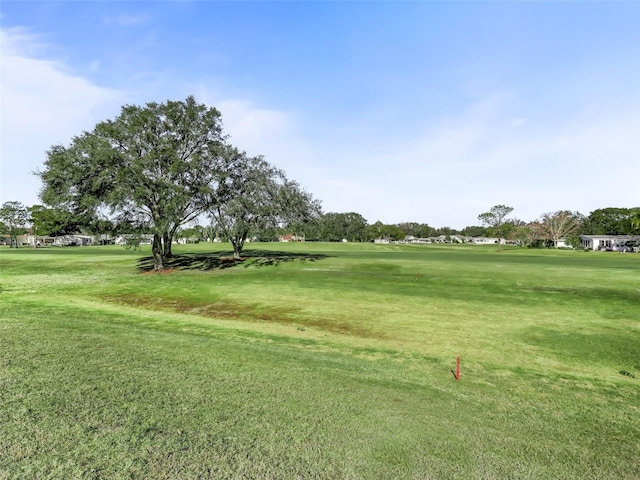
x=238 y=244
x=237 y=248
x=166 y=240
x=156 y=251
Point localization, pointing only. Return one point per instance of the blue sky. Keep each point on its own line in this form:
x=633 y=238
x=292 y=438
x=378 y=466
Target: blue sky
x=401 y=111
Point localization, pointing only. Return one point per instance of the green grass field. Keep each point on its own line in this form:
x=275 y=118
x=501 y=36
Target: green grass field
x=320 y=361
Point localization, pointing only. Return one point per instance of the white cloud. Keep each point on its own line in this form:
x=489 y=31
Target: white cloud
x=125 y=20
x=94 y=66
x=253 y=128
x=19 y=42
x=42 y=104
x=273 y=133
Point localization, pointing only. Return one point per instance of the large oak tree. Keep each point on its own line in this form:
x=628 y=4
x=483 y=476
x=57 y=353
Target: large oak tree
x=154 y=166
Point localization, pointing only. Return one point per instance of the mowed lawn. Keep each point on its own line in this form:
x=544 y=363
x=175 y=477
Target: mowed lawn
x=320 y=361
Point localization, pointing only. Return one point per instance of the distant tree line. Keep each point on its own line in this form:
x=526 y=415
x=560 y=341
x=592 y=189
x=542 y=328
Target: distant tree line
x=546 y=231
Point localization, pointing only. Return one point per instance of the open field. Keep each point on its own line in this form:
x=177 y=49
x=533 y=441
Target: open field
x=320 y=361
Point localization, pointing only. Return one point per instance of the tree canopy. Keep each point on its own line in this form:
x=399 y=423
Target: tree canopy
x=14 y=217
x=335 y=227
x=495 y=218
x=53 y=221
x=150 y=166
x=257 y=197
x=560 y=224
x=613 y=221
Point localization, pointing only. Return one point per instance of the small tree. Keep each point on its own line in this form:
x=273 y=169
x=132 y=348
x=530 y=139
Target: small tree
x=474 y=231
x=350 y=226
x=420 y=230
x=495 y=218
x=257 y=196
x=197 y=232
x=14 y=216
x=53 y=221
x=526 y=235
x=560 y=224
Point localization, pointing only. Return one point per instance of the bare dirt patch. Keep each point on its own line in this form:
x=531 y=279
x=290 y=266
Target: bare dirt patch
x=229 y=310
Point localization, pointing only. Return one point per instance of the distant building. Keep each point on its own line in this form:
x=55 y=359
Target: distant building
x=612 y=243
x=20 y=240
x=39 y=240
x=487 y=241
x=144 y=239
x=412 y=239
x=291 y=237
x=73 y=240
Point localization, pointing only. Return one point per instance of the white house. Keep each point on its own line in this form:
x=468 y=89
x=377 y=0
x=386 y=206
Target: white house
x=20 y=240
x=448 y=239
x=67 y=240
x=39 y=240
x=291 y=237
x=144 y=239
x=487 y=241
x=412 y=239
x=614 y=243
x=187 y=240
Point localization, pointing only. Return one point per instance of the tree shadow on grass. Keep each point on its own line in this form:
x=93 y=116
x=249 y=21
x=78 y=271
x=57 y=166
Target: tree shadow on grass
x=222 y=260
